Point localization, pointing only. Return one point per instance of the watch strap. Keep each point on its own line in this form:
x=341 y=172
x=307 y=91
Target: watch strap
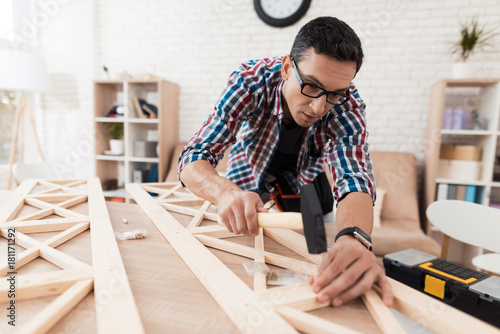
x=358 y=234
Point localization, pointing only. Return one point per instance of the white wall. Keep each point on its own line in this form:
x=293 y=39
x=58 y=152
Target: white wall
x=197 y=43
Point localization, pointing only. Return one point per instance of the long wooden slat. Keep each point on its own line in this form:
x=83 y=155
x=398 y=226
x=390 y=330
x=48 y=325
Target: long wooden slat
x=198 y=218
x=15 y=202
x=55 y=311
x=383 y=316
x=298 y=296
x=44 y=284
x=237 y=300
x=308 y=323
x=120 y=314
x=293 y=241
x=46 y=225
x=271 y=258
x=215 y=231
x=259 y=278
x=188 y=211
x=434 y=314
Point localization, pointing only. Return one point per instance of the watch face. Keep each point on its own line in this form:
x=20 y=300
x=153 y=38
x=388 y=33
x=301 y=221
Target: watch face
x=281 y=13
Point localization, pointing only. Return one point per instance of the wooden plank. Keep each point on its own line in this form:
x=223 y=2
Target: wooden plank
x=44 y=284
x=271 y=258
x=56 y=310
x=215 y=231
x=298 y=296
x=184 y=201
x=188 y=211
x=237 y=300
x=383 y=317
x=14 y=203
x=309 y=323
x=259 y=279
x=117 y=311
x=47 y=225
x=294 y=241
x=198 y=218
x=434 y=314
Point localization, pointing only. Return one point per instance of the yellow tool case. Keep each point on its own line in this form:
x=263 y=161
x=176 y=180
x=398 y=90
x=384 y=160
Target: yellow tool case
x=469 y=290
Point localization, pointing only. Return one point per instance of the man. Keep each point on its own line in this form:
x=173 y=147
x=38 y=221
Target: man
x=285 y=117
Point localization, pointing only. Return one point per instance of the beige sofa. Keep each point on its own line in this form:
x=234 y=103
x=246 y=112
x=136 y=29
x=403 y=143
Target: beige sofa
x=396 y=173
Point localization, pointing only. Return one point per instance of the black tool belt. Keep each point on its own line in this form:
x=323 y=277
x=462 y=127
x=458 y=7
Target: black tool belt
x=286 y=200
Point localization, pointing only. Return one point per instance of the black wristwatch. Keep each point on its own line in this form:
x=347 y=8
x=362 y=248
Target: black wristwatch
x=358 y=234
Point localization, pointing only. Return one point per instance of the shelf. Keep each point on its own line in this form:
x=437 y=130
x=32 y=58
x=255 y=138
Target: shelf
x=110 y=119
x=453 y=181
x=110 y=157
x=143 y=120
x=495 y=184
x=140 y=159
x=476 y=82
x=467 y=132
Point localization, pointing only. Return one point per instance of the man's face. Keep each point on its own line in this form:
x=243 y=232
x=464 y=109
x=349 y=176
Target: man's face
x=320 y=70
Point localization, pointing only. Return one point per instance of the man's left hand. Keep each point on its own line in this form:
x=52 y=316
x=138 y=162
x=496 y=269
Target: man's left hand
x=348 y=270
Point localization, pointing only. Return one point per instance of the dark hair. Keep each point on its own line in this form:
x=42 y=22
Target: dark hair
x=330 y=36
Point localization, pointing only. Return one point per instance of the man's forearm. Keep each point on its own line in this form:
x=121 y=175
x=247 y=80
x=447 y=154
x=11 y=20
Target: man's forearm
x=204 y=181
x=356 y=209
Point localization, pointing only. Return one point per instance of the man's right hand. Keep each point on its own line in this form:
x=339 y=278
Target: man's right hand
x=238 y=209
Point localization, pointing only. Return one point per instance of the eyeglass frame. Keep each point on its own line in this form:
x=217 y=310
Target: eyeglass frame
x=302 y=84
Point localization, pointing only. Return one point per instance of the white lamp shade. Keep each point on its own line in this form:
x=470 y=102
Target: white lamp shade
x=25 y=71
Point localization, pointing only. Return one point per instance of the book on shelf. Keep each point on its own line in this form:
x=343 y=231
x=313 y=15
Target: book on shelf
x=461 y=189
x=442 y=192
x=144 y=109
x=452 y=191
x=456 y=191
x=470 y=194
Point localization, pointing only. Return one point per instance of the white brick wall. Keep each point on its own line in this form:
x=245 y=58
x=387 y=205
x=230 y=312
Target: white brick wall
x=197 y=44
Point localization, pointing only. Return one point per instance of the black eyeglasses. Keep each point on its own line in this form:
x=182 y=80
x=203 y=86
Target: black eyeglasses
x=311 y=90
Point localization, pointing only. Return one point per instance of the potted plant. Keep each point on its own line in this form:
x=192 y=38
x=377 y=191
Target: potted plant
x=471 y=37
x=115 y=130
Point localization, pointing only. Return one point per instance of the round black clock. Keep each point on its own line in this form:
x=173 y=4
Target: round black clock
x=281 y=13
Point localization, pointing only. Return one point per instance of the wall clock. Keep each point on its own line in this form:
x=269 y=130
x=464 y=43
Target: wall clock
x=281 y=13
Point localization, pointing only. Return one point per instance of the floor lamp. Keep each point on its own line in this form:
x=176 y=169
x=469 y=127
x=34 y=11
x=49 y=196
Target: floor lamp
x=23 y=72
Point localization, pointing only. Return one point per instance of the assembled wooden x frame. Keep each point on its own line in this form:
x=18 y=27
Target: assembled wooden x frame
x=283 y=309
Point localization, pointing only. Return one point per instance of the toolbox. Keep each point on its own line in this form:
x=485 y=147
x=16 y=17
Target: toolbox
x=469 y=290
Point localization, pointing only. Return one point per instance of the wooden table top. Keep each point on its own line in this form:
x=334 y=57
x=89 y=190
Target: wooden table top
x=169 y=297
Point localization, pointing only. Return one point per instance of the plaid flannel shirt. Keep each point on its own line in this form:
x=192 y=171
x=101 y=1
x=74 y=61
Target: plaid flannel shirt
x=248 y=116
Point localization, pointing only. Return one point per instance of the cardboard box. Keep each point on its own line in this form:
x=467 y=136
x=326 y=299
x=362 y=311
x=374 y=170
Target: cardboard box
x=459 y=170
x=461 y=152
x=145 y=149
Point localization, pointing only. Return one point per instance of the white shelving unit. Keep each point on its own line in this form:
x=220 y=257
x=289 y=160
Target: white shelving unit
x=161 y=93
x=483 y=95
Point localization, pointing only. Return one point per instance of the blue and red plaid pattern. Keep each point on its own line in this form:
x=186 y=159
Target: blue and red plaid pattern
x=248 y=116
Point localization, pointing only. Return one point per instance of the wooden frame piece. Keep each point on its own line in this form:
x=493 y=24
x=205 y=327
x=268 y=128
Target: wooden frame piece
x=244 y=306
x=76 y=279
x=228 y=290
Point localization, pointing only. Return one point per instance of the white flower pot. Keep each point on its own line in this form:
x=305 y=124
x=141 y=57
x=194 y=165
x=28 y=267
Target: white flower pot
x=463 y=70
x=116 y=146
